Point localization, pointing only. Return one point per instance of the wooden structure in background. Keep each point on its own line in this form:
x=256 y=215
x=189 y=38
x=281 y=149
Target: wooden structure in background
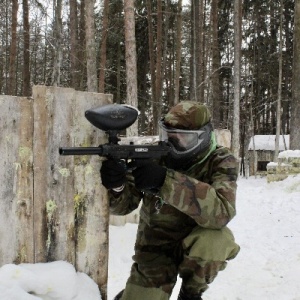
x=261 y=151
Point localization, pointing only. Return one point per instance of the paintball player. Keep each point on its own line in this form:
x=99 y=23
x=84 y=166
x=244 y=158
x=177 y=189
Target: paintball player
x=188 y=199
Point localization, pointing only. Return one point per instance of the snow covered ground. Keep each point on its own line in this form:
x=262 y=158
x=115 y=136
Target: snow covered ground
x=267 y=227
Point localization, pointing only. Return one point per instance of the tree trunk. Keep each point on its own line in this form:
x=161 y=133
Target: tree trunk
x=199 y=34
x=237 y=77
x=158 y=80
x=57 y=44
x=26 y=53
x=74 y=45
x=166 y=59
x=13 y=49
x=151 y=50
x=45 y=53
x=1 y=69
x=90 y=46
x=103 y=46
x=131 y=68
x=193 y=64
x=295 y=107
x=178 y=52
x=287 y=70
x=81 y=51
x=118 y=98
x=215 y=77
x=278 y=110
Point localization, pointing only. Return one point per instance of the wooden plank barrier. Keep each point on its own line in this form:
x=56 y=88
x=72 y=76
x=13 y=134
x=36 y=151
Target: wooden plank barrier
x=52 y=207
x=16 y=184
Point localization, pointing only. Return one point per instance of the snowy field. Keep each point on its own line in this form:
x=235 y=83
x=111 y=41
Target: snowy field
x=267 y=227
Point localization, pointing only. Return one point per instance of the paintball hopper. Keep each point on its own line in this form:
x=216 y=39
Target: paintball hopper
x=112 y=117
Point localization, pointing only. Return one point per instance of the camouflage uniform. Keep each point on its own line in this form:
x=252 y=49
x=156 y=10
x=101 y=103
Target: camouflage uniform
x=182 y=230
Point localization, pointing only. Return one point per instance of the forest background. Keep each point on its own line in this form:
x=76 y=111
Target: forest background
x=241 y=58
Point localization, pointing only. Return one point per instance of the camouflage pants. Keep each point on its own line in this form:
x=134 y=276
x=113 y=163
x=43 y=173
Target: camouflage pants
x=197 y=260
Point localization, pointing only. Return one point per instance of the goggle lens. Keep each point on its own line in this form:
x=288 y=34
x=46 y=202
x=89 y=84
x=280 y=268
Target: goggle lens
x=182 y=140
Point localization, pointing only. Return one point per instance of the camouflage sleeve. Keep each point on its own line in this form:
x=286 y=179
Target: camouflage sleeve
x=125 y=202
x=211 y=205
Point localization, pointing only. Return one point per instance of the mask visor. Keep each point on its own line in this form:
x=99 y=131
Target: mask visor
x=182 y=140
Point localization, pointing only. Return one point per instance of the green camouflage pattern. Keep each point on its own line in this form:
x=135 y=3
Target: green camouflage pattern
x=133 y=291
x=207 y=191
x=190 y=115
x=188 y=234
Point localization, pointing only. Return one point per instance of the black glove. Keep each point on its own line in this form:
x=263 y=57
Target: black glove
x=113 y=173
x=148 y=175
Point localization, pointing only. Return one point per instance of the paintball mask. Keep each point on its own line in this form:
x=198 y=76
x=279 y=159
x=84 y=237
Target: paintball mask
x=186 y=143
x=187 y=129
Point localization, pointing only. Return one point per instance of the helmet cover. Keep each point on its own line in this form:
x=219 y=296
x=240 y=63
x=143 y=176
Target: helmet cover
x=189 y=115
x=187 y=128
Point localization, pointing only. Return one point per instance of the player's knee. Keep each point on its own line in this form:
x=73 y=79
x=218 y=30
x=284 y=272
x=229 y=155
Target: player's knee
x=211 y=244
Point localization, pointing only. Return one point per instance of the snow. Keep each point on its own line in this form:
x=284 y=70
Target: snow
x=289 y=153
x=267 y=227
x=56 y=280
x=267 y=142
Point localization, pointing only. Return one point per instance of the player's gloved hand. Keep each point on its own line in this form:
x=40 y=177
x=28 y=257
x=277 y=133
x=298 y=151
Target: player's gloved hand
x=148 y=175
x=113 y=174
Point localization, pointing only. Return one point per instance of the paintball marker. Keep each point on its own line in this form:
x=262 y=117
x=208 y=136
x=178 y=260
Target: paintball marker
x=113 y=118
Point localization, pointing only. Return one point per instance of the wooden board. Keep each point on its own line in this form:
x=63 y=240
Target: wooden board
x=16 y=185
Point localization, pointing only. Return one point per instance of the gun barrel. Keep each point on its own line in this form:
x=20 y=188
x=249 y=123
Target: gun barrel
x=81 y=151
x=117 y=151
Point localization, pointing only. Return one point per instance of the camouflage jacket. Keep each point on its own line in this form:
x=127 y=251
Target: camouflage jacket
x=203 y=195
